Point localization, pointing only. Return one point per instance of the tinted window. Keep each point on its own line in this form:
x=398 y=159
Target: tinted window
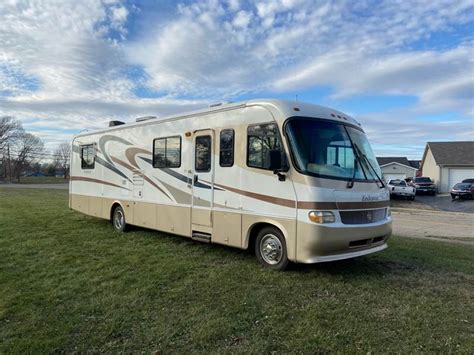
x=260 y=140
x=167 y=152
x=202 y=153
x=87 y=156
x=226 y=151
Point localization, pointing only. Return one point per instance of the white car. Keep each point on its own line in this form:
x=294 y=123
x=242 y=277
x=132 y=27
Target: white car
x=400 y=188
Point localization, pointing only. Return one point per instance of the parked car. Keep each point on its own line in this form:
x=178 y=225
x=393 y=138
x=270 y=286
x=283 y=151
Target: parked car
x=462 y=190
x=470 y=181
x=425 y=184
x=400 y=188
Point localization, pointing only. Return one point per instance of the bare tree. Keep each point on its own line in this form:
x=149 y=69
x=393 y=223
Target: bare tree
x=10 y=131
x=62 y=155
x=28 y=150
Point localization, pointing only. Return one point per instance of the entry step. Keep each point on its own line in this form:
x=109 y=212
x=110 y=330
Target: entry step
x=202 y=237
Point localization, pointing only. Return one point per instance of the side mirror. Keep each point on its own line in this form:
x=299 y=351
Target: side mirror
x=274 y=160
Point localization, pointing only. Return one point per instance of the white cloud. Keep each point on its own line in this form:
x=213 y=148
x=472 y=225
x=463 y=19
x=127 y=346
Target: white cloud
x=242 y=19
x=77 y=53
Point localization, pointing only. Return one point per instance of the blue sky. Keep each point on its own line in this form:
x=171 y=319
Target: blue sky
x=404 y=69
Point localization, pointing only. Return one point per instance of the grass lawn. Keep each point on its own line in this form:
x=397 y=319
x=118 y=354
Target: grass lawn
x=69 y=283
x=42 y=180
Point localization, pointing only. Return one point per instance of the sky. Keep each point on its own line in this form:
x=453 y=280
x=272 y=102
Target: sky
x=404 y=69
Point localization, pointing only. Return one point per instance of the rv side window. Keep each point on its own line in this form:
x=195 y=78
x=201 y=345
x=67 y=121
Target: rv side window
x=167 y=152
x=202 y=154
x=87 y=156
x=226 y=151
x=261 y=139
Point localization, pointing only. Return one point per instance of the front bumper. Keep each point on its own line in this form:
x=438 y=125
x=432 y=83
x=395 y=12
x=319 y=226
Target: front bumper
x=461 y=194
x=336 y=241
x=426 y=189
x=403 y=193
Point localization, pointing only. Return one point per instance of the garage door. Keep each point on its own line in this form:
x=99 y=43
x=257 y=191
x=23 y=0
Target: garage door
x=389 y=177
x=458 y=175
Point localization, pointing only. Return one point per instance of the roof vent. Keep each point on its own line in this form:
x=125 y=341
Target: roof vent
x=217 y=104
x=145 y=118
x=115 y=123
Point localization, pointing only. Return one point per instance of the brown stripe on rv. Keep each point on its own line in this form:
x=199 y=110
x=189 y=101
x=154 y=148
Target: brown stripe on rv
x=97 y=181
x=266 y=198
x=307 y=205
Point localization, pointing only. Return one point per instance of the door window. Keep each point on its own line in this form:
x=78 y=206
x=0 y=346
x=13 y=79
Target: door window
x=226 y=151
x=202 y=154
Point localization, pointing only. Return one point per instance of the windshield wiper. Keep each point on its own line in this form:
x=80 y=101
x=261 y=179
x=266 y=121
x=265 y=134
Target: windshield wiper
x=360 y=155
x=350 y=184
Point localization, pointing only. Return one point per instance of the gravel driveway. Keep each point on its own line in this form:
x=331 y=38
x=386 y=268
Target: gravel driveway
x=437 y=225
x=444 y=203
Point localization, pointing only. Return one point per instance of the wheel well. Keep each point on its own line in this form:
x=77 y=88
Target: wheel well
x=254 y=230
x=112 y=209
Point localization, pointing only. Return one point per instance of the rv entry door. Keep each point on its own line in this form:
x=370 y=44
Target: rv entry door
x=203 y=178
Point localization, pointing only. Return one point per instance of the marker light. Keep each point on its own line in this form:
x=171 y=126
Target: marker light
x=321 y=217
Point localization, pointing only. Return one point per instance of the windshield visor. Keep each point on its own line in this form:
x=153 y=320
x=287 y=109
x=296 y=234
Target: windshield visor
x=326 y=149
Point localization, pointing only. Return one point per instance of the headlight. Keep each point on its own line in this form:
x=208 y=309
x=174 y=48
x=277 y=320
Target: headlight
x=321 y=217
x=417 y=186
x=389 y=213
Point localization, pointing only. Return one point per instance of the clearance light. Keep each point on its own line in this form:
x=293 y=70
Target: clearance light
x=321 y=217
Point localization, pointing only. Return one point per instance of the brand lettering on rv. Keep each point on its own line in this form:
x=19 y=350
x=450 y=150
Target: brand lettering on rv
x=367 y=198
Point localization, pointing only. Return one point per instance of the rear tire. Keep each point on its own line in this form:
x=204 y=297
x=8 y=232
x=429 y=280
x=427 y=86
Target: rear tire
x=270 y=249
x=118 y=220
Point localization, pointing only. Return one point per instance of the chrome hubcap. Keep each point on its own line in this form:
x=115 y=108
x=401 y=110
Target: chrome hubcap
x=271 y=249
x=119 y=219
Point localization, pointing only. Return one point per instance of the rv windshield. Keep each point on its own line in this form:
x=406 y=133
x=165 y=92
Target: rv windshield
x=325 y=149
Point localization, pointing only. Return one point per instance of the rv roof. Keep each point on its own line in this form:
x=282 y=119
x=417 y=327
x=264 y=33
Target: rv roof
x=288 y=109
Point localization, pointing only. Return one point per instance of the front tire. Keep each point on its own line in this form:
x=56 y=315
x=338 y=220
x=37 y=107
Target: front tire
x=118 y=220
x=270 y=249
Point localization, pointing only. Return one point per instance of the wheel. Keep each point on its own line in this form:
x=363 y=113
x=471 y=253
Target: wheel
x=270 y=249
x=412 y=198
x=118 y=220
x=453 y=197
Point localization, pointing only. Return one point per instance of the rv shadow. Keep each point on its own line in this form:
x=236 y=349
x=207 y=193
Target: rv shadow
x=362 y=267
x=370 y=265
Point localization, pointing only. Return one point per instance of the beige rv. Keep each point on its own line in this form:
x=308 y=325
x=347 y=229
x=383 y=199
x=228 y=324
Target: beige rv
x=291 y=181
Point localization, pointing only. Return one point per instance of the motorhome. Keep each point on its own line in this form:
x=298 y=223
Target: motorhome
x=294 y=182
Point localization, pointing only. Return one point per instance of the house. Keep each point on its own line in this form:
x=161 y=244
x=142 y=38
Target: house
x=397 y=167
x=448 y=163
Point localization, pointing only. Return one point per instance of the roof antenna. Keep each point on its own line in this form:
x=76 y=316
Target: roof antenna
x=296 y=98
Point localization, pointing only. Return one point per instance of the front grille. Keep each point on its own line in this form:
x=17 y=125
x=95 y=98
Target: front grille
x=363 y=217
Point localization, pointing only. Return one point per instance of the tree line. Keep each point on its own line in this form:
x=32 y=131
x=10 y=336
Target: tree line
x=24 y=153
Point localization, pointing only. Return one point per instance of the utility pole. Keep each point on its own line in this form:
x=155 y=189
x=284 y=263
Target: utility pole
x=9 y=162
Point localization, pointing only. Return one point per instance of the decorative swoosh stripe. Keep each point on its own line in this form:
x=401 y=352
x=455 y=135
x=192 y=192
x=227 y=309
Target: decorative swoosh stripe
x=110 y=138
x=97 y=181
x=146 y=178
x=104 y=163
x=130 y=153
x=181 y=177
x=111 y=167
